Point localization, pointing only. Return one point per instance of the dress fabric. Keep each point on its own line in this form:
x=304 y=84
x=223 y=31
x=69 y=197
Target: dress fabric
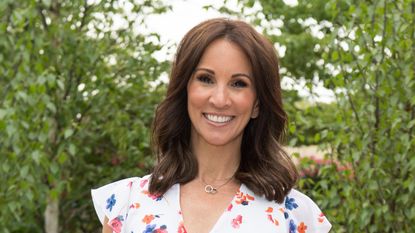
x=130 y=208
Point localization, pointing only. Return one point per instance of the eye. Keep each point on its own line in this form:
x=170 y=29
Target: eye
x=239 y=84
x=204 y=78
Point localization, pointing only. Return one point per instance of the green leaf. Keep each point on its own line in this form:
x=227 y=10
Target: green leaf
x=51 y=107
x=24 y=171
x=36 y=156
x=62 y=158
x=54 y=168
x=72 y=149
x=335 y=55
x=3 y=113
x=68 y=132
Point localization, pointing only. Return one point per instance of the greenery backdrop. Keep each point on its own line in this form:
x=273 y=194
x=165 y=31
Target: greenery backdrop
x=78 y=92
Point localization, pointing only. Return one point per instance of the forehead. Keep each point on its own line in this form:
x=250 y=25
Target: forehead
x=225 y=56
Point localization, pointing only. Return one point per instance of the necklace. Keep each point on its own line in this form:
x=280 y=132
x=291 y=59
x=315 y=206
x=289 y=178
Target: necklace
x=212 y=190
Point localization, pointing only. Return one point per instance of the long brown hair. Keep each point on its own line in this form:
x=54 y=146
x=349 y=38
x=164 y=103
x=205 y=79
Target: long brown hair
x=264 y=168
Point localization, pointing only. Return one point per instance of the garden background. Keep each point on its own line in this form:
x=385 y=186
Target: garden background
x=78 y=92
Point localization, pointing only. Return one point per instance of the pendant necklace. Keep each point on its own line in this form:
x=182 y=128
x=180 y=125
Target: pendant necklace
x=212 y=190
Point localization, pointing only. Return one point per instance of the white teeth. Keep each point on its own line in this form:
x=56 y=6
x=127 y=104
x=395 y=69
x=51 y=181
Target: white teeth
x=218 y=119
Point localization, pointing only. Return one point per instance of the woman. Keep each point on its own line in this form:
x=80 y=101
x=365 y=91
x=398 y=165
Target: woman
x=216 y=136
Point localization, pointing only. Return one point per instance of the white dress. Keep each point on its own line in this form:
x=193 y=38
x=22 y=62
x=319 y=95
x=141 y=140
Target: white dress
x=130 y=208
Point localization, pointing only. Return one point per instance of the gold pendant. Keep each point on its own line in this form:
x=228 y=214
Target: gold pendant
x=210 y=189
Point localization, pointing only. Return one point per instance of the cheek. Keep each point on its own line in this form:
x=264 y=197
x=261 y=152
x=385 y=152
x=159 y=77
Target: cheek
x=195 y=97
x=246 y=102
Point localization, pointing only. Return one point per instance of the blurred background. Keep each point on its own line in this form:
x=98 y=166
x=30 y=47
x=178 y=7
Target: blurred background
x=80 y=79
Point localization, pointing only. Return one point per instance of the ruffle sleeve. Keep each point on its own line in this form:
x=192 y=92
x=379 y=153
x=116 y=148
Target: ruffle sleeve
x=112 y=201
x=303 y=215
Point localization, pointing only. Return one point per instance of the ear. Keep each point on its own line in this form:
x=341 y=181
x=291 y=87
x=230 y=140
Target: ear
x=255 y=110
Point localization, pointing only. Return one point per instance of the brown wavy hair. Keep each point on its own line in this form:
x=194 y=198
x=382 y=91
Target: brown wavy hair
x=264 y=168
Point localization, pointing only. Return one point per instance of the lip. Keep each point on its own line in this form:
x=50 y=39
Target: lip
x=218 y=119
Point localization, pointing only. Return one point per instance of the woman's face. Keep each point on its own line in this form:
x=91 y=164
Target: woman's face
x=221 y=95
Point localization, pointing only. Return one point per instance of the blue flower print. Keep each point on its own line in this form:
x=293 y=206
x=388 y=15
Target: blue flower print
x=293 y=227
x=149 y=228
x=286 y=215
x=290 y=203
x=111 y=202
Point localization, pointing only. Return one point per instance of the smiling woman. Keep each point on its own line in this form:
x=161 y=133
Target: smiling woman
x=221 y=98
x=216 y=136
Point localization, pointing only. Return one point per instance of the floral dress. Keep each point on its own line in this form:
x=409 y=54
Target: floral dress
x=130 y=208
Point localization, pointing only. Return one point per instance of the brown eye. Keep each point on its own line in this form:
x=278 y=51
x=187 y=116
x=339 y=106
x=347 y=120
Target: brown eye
x=204 y=79
x=240 y=84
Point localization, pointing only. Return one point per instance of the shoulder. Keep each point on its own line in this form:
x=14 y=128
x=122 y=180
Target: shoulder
x=303 y=215
x=113 y=200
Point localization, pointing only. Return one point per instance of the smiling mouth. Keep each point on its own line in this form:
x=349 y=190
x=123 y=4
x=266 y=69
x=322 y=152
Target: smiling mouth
x=218 y=118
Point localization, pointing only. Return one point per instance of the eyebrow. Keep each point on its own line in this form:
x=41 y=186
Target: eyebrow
x=233 y=76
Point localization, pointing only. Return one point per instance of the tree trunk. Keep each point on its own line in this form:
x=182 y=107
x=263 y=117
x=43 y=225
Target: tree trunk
x=52 y=216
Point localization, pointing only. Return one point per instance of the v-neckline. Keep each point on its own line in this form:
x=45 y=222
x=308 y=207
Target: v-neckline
x=218 y=221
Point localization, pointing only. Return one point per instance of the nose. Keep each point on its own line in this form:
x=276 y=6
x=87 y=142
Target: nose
x=220 y=97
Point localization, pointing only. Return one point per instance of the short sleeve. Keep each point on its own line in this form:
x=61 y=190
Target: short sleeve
x=112 y=201
x=303 y=214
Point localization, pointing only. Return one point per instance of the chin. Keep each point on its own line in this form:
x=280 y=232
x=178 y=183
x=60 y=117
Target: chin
x=219 y=141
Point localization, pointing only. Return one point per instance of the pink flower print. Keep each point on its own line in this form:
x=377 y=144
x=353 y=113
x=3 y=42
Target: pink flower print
x=321 y=218
x=181 y=228
x=236 y=222
x=152 y=196
x=116 y=224
x=143 y=183
x=162 y=229
x=230 y=207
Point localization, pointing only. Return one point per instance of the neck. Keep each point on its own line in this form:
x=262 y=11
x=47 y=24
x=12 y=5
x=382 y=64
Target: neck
x=216 y=163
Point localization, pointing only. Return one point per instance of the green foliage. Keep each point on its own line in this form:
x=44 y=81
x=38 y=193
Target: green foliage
x=77 y=96
x=378 y=111
x=310 y=123
x=368 y=54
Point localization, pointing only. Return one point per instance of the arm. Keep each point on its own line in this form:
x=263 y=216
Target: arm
x=105 y=227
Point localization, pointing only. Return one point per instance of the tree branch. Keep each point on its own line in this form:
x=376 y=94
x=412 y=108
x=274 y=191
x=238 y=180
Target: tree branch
x=55 y=8
x=349 y=97
x=86 y=12
x=395 y=3
x=9 y=15
x=373 y=20
x=42 y=16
